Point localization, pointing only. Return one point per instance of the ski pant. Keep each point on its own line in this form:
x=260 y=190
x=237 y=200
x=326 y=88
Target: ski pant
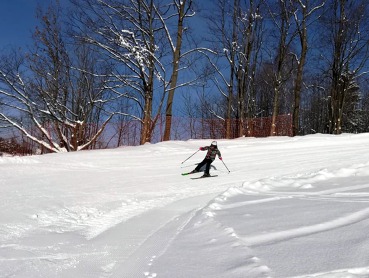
x=202 y=163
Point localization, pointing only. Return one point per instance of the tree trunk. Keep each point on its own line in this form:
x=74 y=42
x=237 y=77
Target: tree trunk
x=281 y=57
x=146 y=121
x=299 y=75
x=273 y=127
x=173 y=81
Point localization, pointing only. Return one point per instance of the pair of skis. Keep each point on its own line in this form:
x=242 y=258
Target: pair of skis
x=189 y=173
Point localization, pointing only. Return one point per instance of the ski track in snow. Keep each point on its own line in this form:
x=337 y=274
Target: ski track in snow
x=340 y=273
x=270 y=186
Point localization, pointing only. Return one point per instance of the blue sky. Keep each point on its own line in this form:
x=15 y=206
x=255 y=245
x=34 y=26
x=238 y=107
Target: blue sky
x=18 y=20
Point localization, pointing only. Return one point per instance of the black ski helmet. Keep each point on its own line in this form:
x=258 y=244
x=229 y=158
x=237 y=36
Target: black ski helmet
x=214 y=143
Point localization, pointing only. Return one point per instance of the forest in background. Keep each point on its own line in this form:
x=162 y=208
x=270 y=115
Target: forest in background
x=109 y=73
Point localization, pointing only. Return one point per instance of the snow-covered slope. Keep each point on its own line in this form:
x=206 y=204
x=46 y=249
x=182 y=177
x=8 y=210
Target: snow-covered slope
x=290 y=207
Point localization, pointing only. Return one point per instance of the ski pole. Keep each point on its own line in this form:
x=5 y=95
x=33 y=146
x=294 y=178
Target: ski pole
x=190 y=157
x=226 y=166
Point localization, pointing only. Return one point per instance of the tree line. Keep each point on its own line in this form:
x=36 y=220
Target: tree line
x=93 y=63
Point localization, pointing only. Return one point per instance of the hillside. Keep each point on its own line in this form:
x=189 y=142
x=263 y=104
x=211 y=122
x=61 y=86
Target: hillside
x=290 y=207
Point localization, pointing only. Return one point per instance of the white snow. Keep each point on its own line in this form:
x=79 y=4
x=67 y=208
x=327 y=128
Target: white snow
x=290 y=207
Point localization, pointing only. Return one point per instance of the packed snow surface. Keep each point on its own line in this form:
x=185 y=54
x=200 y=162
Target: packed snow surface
x=289 y=207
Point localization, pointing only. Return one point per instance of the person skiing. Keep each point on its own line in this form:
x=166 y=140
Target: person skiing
x=209 y=158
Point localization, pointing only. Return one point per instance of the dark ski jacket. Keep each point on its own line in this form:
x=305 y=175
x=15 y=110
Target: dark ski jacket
x=212 y=152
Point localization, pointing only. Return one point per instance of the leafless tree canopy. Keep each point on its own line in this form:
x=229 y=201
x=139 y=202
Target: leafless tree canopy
x=112 y=72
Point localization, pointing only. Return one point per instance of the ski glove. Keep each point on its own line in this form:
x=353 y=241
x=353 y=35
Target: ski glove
x=201 y=148
x=220 y=158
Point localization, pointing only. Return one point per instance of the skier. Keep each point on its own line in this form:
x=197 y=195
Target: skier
x=209 y=158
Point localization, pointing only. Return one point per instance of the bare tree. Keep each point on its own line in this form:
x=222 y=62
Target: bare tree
x=182 y=11
x=223 y=23
x=237 y=33
x=348 y=31
x=282 y=16
x=250 y=23
x=144 y=40
x=45 y=89
x=304 y=11
x=127 y=33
